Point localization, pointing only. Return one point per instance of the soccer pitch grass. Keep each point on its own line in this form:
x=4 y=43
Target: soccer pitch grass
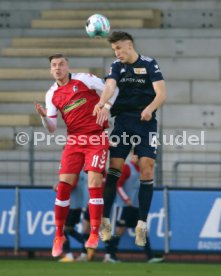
x=52 y=268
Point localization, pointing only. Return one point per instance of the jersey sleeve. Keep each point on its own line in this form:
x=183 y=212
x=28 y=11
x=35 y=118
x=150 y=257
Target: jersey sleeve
x=97 y=84
x=114 y=72
x=51 y=108
x=154 y=71
x=91 y=81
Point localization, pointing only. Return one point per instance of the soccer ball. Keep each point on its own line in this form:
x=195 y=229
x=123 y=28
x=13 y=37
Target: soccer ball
x=97 y=25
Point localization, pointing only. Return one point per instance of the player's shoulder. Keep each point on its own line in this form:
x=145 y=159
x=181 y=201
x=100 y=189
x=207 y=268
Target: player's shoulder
x=147 y=60
x=116 y=66
x=52 y=89
x=116 y=61
x=82 y=76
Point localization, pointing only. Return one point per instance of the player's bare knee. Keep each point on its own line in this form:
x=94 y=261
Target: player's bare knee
x=147 y=172
x=94 y=180
x=116 y=163
x=68 y=178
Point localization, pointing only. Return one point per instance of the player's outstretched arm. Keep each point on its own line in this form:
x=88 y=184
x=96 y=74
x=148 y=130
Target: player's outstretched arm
x=49 y=123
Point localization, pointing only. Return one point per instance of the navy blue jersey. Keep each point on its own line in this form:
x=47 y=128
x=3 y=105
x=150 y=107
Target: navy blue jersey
x=135 y=85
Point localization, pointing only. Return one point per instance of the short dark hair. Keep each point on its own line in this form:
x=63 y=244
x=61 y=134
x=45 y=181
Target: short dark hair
x=116 y=36
x=57 y=56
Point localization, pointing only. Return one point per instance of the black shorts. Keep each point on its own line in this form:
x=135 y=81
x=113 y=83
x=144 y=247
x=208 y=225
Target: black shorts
x=127 y=217
x=73 y=217
x=129 y=130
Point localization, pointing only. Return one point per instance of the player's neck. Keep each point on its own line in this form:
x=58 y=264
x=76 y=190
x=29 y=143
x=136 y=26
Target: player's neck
x=63 y=81
x=133 y=58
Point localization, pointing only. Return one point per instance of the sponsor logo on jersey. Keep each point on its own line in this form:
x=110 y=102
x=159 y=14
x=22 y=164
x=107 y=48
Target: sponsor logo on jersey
x=140 y=71
x=132 y=80
x=73 y=104
x=122 y=71
x=75 y=88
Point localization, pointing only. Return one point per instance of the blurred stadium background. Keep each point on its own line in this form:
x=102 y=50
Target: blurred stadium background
x=185 y=38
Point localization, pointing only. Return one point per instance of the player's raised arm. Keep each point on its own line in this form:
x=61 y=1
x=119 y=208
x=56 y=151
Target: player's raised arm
x=49 y=122
x=108 y=95
x=107 y=99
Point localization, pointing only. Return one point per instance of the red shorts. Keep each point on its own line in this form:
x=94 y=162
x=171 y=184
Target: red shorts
x=91 y=157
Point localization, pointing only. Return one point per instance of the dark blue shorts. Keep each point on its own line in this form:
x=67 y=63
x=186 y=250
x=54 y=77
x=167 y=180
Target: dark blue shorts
x=129 y=130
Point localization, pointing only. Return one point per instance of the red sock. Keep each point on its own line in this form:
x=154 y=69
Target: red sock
x=62 y=204
x=95 y=205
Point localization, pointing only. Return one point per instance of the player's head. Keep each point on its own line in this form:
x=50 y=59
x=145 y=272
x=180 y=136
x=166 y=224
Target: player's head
x=122 y=44
x=59 y=67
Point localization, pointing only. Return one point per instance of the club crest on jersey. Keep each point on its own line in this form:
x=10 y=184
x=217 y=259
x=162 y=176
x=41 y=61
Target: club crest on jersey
x=75 y=88
x=74 y=104
x=140 y=71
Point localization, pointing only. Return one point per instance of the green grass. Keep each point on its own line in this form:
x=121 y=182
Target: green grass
x=52 y=268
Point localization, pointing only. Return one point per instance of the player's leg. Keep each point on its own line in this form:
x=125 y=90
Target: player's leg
x=83 y=257
x=69 y=225
x=145 y=197
x=69 y=231
x=118 y=154
x=62 y=203
x=109 y=194
x=95 y=206
x=146 y=151
x=111 y=246
x=95 y=165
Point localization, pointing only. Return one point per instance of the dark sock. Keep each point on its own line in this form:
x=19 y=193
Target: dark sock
x=145 y=197
x=111 y=246
x=74 y=234
x=66 y=245
x=110 y=188
x=148 y=250
x=85 y=236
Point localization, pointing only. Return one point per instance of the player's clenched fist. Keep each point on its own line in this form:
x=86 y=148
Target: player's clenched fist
x=42 y=111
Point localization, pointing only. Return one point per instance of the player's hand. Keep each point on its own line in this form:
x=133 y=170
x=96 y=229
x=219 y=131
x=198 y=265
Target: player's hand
x=128 y=202
x=42 y=111
x=102 y=116
x=146 y=114
x=97 y=108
